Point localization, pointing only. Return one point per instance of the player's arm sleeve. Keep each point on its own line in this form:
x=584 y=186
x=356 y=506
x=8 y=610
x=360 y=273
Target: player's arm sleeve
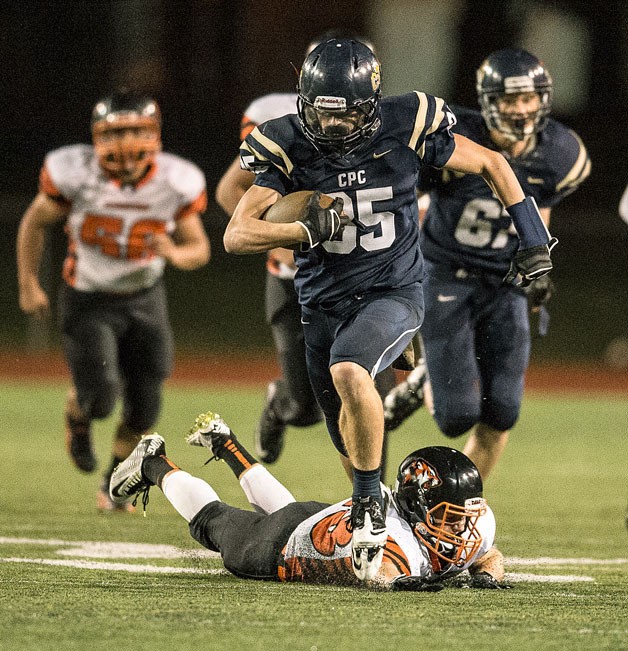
x=263 y=154
x=64 y=173
x=236 y=180
x=189 y=182
x=246 y=126
x=196 y=207
x=573 y=167
x=251 y=117
x=431 y=136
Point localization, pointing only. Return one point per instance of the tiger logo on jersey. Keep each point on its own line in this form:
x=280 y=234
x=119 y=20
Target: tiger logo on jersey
x=331 y=532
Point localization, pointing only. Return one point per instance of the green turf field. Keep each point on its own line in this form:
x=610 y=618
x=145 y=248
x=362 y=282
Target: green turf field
x=559 y=496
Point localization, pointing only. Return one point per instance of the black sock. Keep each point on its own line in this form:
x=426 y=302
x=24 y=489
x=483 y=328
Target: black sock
x=154 y=469
x=366 y=483
x=236 y=456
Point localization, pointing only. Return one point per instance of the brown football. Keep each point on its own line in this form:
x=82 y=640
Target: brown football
x=291 y=207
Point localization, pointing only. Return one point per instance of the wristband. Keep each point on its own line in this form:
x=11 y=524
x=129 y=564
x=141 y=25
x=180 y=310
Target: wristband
x=528 y=223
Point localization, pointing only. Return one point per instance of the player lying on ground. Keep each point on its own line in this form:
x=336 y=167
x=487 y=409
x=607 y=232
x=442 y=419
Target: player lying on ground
x=438 y=523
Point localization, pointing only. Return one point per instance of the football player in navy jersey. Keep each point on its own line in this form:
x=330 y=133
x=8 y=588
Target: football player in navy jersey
x=360 y=267
x=289 y=399
x=476 y=333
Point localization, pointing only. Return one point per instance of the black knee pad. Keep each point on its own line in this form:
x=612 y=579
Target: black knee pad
x=305 y=415
x=455 y=427
x=500 y=417
x=102 y=404
x=142 y=403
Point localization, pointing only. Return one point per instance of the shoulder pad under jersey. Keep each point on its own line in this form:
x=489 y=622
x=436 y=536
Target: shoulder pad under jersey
x=184 y=177
x=422 y=117
x=70 y=168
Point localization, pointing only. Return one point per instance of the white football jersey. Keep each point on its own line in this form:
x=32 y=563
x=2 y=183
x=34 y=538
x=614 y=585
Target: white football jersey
x=261 y=110
x=319 y=549
x=267 y=108
x=110 y=226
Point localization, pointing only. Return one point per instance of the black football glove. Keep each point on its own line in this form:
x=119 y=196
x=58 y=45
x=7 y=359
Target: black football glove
x=530 y=264
x=321 y=224
x=540 y=291
x=414 y=584
x=486 y=581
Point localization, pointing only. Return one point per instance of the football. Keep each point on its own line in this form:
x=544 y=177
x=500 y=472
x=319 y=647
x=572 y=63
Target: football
x=291 y=207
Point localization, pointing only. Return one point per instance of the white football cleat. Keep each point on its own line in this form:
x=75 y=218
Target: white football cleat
x=368 y=522
x=127 y=479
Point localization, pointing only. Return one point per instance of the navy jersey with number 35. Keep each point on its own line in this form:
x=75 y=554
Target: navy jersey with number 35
x=377 y=182
x=466 y=225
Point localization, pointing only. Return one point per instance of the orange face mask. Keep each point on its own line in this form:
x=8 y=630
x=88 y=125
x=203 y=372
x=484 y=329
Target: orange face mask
x=450 y=531
x=126 y=145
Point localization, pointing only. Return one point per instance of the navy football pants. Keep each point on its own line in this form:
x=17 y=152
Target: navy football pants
x=372 y=331
x=476 y=336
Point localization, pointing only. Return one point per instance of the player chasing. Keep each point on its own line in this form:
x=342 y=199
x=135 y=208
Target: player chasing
x=438 y=522
x=476 y=333
x=129 y=209
x=360 y=272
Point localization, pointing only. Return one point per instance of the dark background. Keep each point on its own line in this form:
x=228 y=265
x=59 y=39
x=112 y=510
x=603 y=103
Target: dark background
x=204 y=62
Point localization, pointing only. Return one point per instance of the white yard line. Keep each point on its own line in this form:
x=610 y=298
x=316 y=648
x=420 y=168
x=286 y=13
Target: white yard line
x=115 y=567
x=90 y=549
x=159 y=569
x=515 y=577
x=100 y=549
x=545 y=560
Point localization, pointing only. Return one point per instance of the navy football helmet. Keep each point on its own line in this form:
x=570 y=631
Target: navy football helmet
x=339 y=94
x=439 y=493
x=338 y=34
x=126 y=132
x=507 y=72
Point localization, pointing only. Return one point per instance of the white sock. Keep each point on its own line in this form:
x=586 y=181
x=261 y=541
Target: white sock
x=186 y=493
x=263 y=491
